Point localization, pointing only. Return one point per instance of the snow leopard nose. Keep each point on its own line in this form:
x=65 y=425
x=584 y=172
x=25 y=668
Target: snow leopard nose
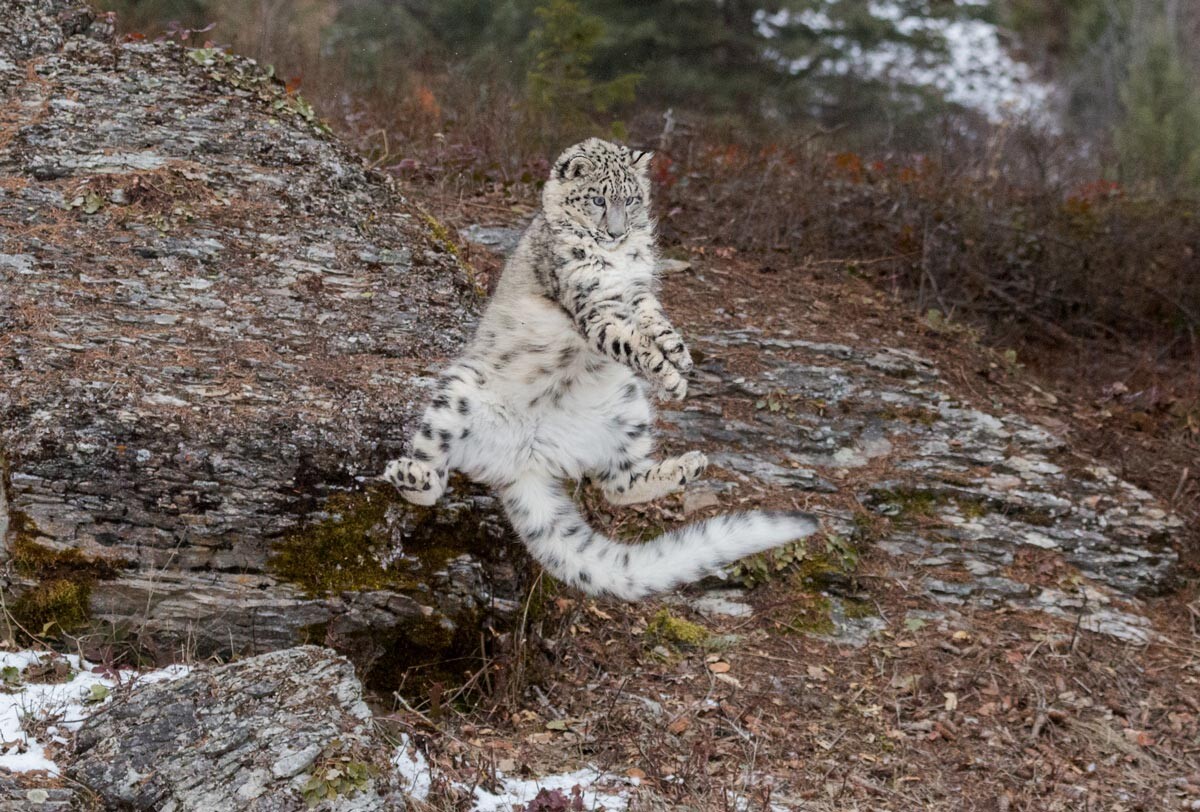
x=614 y=219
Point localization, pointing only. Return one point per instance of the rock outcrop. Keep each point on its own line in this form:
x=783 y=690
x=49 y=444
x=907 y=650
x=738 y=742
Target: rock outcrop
x=282 y=731
x=215 y=326
x=969 y=493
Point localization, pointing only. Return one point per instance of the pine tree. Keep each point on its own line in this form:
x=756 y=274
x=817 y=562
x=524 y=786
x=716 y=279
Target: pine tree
x=1158 y=141
x=560 y=83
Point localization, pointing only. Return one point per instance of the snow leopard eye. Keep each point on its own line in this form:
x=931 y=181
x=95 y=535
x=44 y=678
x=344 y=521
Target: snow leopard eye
x=632 y=201
x=598 y=201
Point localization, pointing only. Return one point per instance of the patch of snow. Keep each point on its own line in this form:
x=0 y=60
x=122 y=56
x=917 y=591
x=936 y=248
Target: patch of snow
x=975 y=70
x=63 y=704
x=414 y=769
x=521 y=791
x=598 y=791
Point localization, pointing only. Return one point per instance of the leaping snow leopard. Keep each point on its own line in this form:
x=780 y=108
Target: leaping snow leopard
x=547 y=391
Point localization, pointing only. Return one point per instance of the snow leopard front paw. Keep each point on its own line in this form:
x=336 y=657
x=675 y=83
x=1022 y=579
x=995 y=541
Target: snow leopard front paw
x=664 y=369
x=674 y=350
x=416 y=481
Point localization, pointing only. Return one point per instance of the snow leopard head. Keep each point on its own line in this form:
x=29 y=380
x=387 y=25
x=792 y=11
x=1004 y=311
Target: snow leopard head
x=600 y=190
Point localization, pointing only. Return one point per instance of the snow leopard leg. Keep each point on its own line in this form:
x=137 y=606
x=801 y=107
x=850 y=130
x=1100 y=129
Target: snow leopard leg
x=630 y=476
x=421 y=478
x=645 y=342
x=657 y=480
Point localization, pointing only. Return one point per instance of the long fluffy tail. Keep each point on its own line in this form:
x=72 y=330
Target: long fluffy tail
x=550 y=524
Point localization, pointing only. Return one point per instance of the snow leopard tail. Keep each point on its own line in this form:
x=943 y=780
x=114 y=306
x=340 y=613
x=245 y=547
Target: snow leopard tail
x=551 y=526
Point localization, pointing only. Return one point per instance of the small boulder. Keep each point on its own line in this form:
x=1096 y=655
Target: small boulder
x=280 y=732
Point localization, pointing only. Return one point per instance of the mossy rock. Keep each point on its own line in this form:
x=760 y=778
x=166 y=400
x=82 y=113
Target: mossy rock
x=52 y=606
x=58 y=598
x=812 y=615
x=373 y=539
x=664 y=627
x=35 y=560
x=913 y=504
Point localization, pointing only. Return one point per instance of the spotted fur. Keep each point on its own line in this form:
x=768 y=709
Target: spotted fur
x=549 y=390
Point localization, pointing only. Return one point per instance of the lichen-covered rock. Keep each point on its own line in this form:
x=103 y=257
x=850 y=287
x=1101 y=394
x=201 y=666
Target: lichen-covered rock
x=213 y=318
x=20 y=794
x=281 y=731
x=969 y=494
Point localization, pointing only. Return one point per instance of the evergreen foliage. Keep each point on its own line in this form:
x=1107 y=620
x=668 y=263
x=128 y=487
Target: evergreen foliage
x=1158 y=140
x=560 y=84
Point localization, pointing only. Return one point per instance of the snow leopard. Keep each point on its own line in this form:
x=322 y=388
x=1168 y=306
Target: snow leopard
x=553 y=387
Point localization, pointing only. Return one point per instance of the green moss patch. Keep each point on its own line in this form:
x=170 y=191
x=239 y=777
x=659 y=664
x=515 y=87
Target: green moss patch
x=343 y=549
x=761 y=568
x=920 y=503
x=349 y=544
x=857 y=610
x=803 y=562
x=811 y=615
x=58 y=601
x=58 y=605
x=666 y=628
x=36 y=560
x=912 y=504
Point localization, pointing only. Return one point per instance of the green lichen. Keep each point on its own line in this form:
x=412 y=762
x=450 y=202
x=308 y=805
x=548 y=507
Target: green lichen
x=857 y=610
x=441 y=235
x=814 y=616
x=911 y=503
x=666 y=628
x=918 y=503
x=57 y=605
x=347 y=545
x=58 y=599
x=910 y=414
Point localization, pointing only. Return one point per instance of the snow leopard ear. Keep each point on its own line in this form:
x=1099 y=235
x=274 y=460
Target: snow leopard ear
x=640 y=158
x=574 y=166
x=639 y=162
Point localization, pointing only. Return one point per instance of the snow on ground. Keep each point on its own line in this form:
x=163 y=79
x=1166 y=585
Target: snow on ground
x=50 y=711
x=598 y=791
x=976 y=70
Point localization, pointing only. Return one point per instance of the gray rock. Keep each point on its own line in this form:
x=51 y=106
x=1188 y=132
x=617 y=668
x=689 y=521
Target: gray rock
x=721 y=602
x=224 y=336
x=21 y=793
x=988 y=488
x=502 y=239
x=245 y=736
